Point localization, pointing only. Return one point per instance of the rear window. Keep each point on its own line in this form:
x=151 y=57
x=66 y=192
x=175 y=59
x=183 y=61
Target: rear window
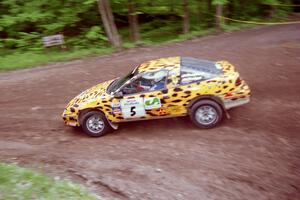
x=195 y=70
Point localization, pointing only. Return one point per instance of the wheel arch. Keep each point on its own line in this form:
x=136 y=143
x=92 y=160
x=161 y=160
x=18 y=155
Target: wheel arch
x=86 y=110
x=207 y=97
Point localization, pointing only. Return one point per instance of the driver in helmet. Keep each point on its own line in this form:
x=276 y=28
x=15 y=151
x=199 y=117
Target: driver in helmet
x=154 y=81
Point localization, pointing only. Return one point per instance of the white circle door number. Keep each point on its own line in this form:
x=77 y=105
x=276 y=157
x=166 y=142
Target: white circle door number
x=132 y=108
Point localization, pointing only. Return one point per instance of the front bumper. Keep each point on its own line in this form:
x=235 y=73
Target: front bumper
x=70 y=119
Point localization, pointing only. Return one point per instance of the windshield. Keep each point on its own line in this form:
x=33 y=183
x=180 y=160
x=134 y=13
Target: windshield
x=116 y=84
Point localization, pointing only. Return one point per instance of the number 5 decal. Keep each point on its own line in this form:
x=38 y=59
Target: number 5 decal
x=133 y=108
x=132 y=112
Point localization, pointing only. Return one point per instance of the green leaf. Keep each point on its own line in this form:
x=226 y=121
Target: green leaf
x=219 y=2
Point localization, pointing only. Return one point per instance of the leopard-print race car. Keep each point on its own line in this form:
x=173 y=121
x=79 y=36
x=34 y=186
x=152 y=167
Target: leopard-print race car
x=166 y=87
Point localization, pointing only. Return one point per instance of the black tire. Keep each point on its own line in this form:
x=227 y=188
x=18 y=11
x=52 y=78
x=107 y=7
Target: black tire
x=88 y=117
x=213 y=117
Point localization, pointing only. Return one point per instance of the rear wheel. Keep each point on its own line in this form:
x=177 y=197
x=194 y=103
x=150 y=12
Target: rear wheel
x=95 y=124
x=206 y=114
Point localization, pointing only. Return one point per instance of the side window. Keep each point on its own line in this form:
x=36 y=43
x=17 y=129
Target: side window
x=191 y=75
x=195 y=70
x=147 y=82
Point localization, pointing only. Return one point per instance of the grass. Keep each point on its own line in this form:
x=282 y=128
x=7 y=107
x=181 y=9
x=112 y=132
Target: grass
x=22 y=184
x=236 y=26
x=19 y=60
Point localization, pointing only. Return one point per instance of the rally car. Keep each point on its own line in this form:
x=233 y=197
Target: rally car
x=166 y=87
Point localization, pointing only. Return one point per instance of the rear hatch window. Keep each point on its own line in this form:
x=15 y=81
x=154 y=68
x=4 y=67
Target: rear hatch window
x=195 y=70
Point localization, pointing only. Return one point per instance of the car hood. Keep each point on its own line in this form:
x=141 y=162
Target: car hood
x=94 y=93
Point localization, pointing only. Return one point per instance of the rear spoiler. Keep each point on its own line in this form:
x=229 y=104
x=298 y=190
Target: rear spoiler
x=226 y=66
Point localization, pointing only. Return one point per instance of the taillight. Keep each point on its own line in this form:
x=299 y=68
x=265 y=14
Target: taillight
x=228 y=94
x=238 y=81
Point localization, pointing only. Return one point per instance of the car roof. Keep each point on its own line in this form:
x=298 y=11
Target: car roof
x=169 y=63
x=175 y=63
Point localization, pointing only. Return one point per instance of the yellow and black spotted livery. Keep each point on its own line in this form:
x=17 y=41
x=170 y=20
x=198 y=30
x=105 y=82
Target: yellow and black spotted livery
x=227 y=89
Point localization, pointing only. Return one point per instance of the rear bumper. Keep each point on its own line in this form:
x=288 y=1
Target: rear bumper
x=239 y=96
x=231 y=103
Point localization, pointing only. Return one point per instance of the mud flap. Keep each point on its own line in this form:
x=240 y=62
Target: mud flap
x=227 y=114
x=113 y=125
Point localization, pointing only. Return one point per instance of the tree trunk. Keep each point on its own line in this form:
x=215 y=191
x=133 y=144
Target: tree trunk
x=230 y=9
x=133 y=21
x=186 y=17
x=208 y=15
x=272 y=11
x=199 y=7
x=209 y=6
x=219 y=13
x=171 y=6
x=109 y=23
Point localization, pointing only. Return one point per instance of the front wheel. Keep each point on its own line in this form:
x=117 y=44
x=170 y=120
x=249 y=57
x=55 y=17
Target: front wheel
x=206 y=114
x=95 y=124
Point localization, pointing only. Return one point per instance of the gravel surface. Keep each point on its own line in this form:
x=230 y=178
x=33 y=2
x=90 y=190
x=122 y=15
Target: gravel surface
x=253 y=155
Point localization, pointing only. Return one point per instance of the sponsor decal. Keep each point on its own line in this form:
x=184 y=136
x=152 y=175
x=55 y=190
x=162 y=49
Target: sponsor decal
x=162 y=112
x=133 y=108
x=116 y=108
x=116 y=105
x=152 y=103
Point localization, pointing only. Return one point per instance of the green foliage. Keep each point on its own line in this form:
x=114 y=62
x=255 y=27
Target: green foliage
x=24 y=23
x=20 y=183
x=269 y=2
x=96 y=34
x=219 y=2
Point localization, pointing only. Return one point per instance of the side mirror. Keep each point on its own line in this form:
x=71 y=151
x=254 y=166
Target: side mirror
x=118 y=94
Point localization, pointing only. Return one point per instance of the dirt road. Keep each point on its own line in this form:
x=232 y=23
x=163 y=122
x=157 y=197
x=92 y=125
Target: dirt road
x=254 y=155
